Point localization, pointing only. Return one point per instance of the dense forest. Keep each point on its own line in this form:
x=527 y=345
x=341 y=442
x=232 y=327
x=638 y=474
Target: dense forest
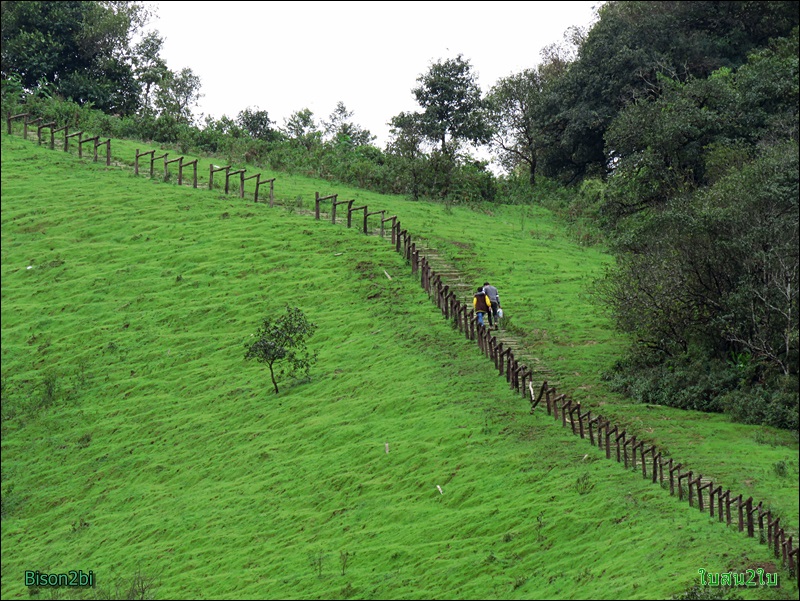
x=671 y=129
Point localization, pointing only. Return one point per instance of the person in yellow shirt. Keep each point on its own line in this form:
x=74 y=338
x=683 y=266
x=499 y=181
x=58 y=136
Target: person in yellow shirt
x=481 y=304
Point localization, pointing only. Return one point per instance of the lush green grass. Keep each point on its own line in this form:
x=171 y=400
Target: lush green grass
x=136 y=437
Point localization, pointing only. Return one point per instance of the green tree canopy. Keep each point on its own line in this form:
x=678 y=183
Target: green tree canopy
x=513 y=103
x=281 y=343
x=81 y=49
x=301 y=126
x=702 y=214
x=257 y=124
x=625 y=51
x=452 y=107
x=340 y=128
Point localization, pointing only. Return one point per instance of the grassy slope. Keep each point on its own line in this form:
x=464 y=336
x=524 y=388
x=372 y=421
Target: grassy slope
x=162 y=450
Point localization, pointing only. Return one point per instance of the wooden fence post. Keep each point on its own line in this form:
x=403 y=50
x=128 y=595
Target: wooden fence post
x=711 y=492
x=181 y=165
x=700 y=487
x=53 y=133
x=689 y=482
x=636 y=445
x=591 y=423
x=27 y=123
x=770 y=525
x=136 y=160
x=728 y=502
x=525 y=376
x=625 y=444
x=613 y=430
x=576 y=408
x=601 y=423
x=740 y=505
x=680 y=485
x=212 y=169
x=565 y=407
x=72 y=135
x=393 y=218
x=168 y=162
x=335 y=204
x=762 y=535
x=751 y=522
x=617 y=439
x=671 y=478
x=644 y=462
x=82 y=142
x=39 y=129
x=271 y=183
x=581 y=417
x=350 y=210
x=381 y=213
x=10 y=118
x=657 y=467
x=555 y=402
x=228 y=174
x=107 y=144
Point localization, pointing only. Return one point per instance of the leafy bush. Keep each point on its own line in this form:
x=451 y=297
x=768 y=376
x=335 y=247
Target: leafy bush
x=738 y=387
x=758 y=405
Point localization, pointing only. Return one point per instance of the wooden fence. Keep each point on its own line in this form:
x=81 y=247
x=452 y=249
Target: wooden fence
x=634 y=454
x=182 y=162
x=95 y=141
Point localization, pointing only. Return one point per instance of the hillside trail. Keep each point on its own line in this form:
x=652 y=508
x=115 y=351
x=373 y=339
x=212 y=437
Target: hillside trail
x=458 y=282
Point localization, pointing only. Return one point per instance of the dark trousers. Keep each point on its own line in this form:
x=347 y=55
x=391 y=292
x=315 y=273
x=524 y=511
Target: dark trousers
x=492 y=313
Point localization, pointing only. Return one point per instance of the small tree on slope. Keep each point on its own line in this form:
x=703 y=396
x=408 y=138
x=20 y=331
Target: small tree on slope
x=281 y=342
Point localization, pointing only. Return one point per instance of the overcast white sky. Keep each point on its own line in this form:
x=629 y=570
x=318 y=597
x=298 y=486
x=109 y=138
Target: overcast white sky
x=281 y=57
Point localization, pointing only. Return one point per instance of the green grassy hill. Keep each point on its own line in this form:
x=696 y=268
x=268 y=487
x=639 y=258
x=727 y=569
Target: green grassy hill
x=137 y=441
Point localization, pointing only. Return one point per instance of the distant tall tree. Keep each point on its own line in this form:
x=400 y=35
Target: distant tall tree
x=407 y=159
x=452 y=107
x=177 y=95
x=81 y=49
x=150 y=69
x=453 y=113
x=302 y=128
x=512 y=103
x=339 y=127
x=257 y=124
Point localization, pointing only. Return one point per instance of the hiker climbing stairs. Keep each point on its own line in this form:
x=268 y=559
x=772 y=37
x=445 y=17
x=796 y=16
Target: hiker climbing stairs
x=463 y=290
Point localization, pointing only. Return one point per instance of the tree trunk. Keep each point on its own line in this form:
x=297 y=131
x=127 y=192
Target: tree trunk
x=532 y=164
x=272 y=375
